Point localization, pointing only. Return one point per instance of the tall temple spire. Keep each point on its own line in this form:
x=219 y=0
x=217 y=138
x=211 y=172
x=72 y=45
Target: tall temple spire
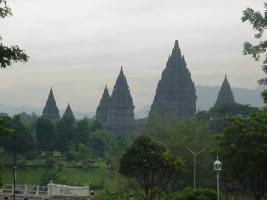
x=225 y=95
x=101 y=111
x=68 y=113
x=176 y=94
x=50 y=110
x=120 y=113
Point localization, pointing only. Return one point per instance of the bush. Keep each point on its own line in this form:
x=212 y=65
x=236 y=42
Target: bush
x=198 y=194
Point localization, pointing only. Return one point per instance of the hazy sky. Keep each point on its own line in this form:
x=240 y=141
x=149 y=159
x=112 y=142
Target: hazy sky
x=78 y=46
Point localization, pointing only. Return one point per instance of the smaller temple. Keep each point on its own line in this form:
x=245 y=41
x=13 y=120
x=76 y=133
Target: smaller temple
x=101 y=111
x=68 y=114
x=120 y=112
x=50 y=110
x=225 y=95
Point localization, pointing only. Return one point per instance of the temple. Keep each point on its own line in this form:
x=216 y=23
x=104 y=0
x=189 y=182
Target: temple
x=225 y=95
x=176 y=94
x=120 y=112
x=50 y=110
x=101 y=111
x=68 y=113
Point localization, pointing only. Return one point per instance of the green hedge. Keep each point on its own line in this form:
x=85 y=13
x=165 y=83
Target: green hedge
x=198 y=194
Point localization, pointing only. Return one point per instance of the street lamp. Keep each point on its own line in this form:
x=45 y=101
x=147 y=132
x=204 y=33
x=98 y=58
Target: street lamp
x=217 y=167
x=195 y=164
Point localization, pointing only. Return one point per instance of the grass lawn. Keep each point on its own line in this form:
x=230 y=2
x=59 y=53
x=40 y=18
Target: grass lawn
x=71 y=176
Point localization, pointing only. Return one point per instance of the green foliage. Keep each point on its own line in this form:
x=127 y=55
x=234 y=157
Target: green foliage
x=83 y=129
x=83 y=152
x=149 y=164
x=66 y=133
x=198 y=194
x=5 y=126
x=259 y=24
x=11 y=54
x=25 y=141
x=45 y=134
x=5 y=11
x=190 y=133
x=52 y=171
x=100 y=142
x=21 y=140
x=1 y=165
x=113 y=196
x=243 y=150
x=219 y=113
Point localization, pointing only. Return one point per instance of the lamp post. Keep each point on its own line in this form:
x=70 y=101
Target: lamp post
x=195 y=163
x=14 y=167
x=217 y=167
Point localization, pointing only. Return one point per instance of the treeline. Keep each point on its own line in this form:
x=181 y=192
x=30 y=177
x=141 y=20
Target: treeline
x=34 y=136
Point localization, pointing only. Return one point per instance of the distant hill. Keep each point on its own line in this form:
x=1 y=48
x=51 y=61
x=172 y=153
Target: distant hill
x=207 y=96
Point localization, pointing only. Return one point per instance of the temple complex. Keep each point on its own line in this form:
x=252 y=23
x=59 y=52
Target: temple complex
x=68 y=113
x=120 y=112
x=101 y=111
x=225 y=95
x=176 y=94
x=50 y=110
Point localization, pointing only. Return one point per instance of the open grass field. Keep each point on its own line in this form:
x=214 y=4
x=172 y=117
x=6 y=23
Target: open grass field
x=99 y=177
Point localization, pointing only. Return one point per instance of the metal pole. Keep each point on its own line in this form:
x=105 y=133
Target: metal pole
x=14 y=167
x=195 y=163
x=218 y=186
x=195 y=156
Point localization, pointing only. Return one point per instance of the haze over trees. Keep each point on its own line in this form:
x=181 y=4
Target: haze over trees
x=155 y=162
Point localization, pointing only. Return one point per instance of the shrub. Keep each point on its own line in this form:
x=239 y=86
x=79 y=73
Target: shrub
x=198 y=194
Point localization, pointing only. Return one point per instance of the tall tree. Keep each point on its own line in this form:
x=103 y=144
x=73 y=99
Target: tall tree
x=190 y=133
x=9 y=54
x=243 y=150
x=258 y=21
x=66 y=133
x=150 y=165
x=45 y=134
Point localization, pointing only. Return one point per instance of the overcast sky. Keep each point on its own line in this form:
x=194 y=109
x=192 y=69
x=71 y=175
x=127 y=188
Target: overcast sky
x=78 y=46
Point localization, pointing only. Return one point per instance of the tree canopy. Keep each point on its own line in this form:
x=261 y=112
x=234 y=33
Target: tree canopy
x=258 y=21
x=9 y=54
x=243 y=150
x=149 y=164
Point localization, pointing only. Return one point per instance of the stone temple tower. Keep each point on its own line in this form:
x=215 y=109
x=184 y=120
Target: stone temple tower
x=120 y=113
x=68 y=113
x=225 y=95
x=50 y=110
x=101 y=111
x=176 y=94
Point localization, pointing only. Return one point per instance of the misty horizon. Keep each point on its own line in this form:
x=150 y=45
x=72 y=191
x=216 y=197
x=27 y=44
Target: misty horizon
x=81 y=51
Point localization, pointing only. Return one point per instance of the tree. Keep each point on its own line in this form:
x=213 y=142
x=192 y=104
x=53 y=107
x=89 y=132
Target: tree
x=82 y=131
x=243 y=150
x=198 y=194
x=21 y=140
x=5 y=126
x=45 y=134
x=52 y=172
x=66 y=133
x=11 y=54
x=100 y=141
x=193 y=133
x=149 y=164
x=25 y=141
x=259 y=23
